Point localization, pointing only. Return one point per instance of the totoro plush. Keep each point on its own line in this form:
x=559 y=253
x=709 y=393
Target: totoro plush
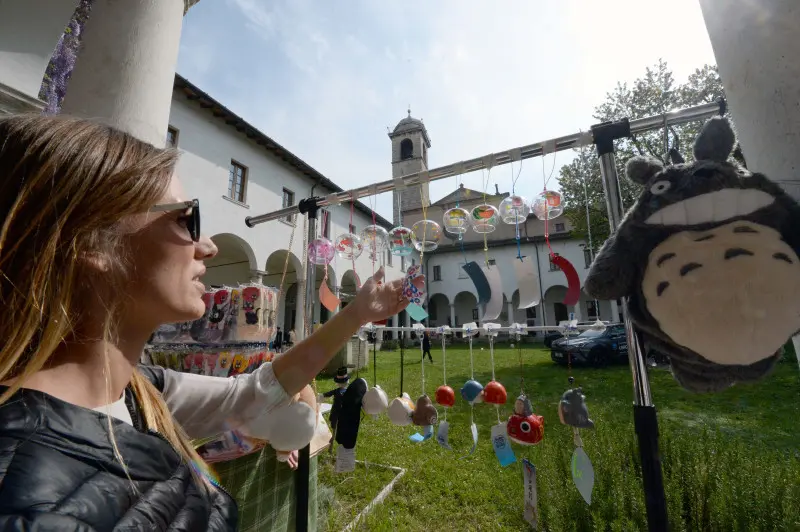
x=708 y=257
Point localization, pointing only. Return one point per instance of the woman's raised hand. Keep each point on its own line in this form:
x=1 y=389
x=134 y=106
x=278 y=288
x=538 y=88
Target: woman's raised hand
x=377 y=300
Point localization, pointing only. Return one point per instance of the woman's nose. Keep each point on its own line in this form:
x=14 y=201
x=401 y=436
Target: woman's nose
x=205 y=248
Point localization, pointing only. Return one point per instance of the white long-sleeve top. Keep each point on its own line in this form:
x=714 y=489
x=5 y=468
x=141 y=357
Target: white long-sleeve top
x=206 y=406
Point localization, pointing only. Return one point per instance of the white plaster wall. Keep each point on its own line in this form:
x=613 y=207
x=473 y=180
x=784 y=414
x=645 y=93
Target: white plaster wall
x=455 y=281
x=208 y=145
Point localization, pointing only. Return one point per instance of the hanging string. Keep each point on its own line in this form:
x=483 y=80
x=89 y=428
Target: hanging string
x=491 y=358
x=322 y=233
x=513 y=193
x=351 y=229
x=521 y=367
x=423 y=201
x=485 y=235
x=444 y=367
x=422 y=365
x=472 y=377
x=374 y=252
x=547 y=208
x=402 y=358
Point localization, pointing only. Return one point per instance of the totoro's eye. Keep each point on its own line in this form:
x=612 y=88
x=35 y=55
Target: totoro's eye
x=659 y=187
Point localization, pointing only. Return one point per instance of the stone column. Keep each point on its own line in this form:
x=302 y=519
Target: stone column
x=29 y=32
x=299 y=306
x=758 y=55
x=452 y=314
x=511 y=317
x=126 y=69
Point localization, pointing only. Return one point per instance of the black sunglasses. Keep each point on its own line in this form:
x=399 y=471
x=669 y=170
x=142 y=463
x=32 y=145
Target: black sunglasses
x=193 y=212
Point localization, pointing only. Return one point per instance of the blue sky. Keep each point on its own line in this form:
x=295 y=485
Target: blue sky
x=326 y=78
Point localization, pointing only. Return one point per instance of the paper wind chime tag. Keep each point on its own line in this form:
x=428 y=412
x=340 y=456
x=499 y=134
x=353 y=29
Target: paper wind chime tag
x=501 y=445
x=583 y=474
x=328 y=298
x=415 y=294
x=442 y=434
x=474 y=430
x=531 y=512
x=493 y=307
x=427 y=433
x=530 y=293
x=345 y=460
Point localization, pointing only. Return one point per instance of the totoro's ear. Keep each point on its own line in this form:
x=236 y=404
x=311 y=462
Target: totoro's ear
x=640 y=169
x=715 y=141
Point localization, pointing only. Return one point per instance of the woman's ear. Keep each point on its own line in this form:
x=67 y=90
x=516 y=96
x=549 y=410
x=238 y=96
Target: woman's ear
x=640 y=169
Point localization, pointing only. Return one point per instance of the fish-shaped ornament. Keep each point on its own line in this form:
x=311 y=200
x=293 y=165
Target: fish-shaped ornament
x=524 y=427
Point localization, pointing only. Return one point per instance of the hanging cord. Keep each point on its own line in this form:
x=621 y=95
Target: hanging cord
x=375 y=254
x=402 y=358
x=422 y=364
x=374 y=364
x=513 y=193
x=423 y=201
x=491 y=358
x=547 y=208
x=444 y=367
x=588 y=217
x=471 y=376
x=485 y=235
x=521 y=366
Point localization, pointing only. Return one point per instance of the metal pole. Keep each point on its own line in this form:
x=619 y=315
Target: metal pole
x=303 y=473
x=567 y=142
x=644 y=412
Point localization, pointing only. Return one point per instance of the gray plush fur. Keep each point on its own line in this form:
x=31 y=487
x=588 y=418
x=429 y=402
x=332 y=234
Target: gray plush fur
x=716 y=141
x=620 y=265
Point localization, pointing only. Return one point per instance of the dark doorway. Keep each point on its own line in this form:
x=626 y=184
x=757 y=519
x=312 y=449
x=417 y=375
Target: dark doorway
x=560 y=310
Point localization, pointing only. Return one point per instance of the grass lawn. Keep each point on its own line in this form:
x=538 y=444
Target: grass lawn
x=730 y=460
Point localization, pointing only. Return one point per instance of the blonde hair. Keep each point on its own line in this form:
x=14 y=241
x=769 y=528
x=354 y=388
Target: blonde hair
x=65 y=186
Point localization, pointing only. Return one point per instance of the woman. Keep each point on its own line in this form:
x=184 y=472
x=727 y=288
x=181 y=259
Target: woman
x=97 y=249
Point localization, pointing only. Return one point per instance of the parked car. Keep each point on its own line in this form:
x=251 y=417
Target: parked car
x=551 y=337
x=592 y=348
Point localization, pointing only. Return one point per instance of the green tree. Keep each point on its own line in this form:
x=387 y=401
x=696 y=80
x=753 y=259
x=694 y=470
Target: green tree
x=653 y=94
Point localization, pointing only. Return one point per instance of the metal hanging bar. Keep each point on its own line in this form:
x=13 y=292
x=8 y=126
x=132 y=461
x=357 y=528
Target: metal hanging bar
x=568 y=142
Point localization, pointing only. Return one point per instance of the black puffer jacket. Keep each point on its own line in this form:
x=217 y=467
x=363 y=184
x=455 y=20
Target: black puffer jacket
x=58 y=472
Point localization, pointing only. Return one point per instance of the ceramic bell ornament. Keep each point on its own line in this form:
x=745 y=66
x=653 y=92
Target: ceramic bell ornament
x=400 y=410
x=548 y=205
x=456 y=221
x=320 y=251
x=425 y=235
x=348 y=246
x=572 y=410
x=472 y=392
x=425 y=413
x=375 y=401
x=400 y=241
x=445 y=396
x=514 y=210
x=484 y=219
x=375 y=240
x=524 y=427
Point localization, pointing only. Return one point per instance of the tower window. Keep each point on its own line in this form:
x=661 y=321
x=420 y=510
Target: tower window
x=406 y=149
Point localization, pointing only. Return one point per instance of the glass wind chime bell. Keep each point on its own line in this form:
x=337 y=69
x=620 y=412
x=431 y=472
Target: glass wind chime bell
x=400 y=241
x=484 y=218
x=375 y=239
x=348 y=246
x=425 y=235
x=548 y=205
x=320 y=251
x=514 y=210
x=456 y=221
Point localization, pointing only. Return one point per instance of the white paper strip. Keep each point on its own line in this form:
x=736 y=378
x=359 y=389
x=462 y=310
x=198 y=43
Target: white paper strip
x=530 y=293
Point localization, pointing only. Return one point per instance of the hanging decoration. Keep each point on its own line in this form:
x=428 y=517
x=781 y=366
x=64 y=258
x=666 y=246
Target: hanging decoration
x=326 y=297
x=495 y=393
x=400 y=242
x=321 y=251
x=412 y=291
x=471 y=391
x=375 y=239
x=514 y=210
x=425 y=235
x=425 y=414
x=484 y=219
x=494 y=306
x=445 y=395
x=456 y=221
x=483 y=290
x=401 y=408
x=530 y=292
x=375 y=400
x=348 y=246
x=523 y=427
x=547 y=205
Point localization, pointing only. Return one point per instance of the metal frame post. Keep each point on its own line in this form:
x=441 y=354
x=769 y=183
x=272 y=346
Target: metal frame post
x=310 y=208
x=644 y=412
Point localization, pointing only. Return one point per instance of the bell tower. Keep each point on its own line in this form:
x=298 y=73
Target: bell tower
x=410 y=144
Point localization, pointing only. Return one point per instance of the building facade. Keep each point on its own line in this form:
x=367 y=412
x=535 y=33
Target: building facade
x=237 y=171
